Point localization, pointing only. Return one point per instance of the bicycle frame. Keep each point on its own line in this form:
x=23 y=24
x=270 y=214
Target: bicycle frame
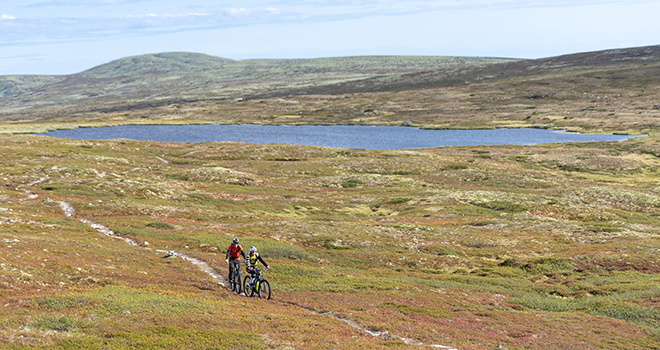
x=258 y=278
x=236 y=268
x=235 y=274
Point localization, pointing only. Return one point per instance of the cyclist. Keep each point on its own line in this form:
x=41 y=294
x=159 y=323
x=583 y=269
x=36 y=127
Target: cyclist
x=251 y=263
x=234 y=251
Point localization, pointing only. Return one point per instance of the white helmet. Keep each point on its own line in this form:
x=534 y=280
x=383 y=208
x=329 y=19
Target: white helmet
x=253 y=249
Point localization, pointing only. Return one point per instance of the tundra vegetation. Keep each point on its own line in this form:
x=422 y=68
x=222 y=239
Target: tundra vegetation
x=527 y=247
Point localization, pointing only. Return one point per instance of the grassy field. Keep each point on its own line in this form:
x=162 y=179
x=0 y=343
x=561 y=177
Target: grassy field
x=527 y=247
x=524 y=247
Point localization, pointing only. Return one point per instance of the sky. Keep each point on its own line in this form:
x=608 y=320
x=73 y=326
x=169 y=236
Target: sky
x=69 y=36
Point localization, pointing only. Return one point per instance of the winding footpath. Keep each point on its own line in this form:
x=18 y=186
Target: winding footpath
x=70 y=211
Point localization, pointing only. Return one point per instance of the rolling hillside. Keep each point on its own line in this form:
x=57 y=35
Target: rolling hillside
x=467 y=248
x=120 y=244
x=188 y=76
x=604 y=91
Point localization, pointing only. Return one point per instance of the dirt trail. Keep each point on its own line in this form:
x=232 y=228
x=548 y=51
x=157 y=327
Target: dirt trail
x=70 y=211
x=29 y=193
x=372 y=332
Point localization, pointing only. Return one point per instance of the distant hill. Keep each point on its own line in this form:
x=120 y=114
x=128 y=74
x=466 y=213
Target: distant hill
x=191 y=63
x=153 y=80
x=191 y=76
x=615 y=59
x=162 y=63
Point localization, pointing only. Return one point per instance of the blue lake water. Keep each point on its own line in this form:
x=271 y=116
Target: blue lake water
x=339 y=136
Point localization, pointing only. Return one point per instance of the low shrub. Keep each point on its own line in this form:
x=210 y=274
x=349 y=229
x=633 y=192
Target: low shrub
x=399 y=200
x=160 y=225
x=413 y=310
x=58 y=302
x=441 y=249
x=455 y=167
x=627 y=312
x=479 y=244
x=547 y=265
x=351 y=183
x=60 y=324
x=502 y=206
x=482 y=223
x=286 y=252
x=170 y=337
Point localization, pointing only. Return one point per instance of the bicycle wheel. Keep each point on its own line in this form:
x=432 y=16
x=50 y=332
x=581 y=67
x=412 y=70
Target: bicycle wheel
x=231 y=282
x=264 y=289
x=237 y=282
x=249 y=291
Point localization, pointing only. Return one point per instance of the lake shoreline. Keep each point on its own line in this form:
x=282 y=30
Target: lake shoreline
x=26 y=127
x=374 y=137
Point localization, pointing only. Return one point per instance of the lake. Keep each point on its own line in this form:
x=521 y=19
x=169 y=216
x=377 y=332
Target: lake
x=339 y=136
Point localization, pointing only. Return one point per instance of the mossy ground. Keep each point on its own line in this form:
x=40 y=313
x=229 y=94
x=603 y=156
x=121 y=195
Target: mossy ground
x=531 y=247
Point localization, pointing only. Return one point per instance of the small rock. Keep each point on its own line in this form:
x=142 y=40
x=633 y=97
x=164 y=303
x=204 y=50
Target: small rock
x=144 y=244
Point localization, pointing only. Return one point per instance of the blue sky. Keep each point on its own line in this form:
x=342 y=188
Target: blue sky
x=69 y=36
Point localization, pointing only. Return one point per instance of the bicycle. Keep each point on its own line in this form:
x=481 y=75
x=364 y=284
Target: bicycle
x=260 y=285
x=235 y=277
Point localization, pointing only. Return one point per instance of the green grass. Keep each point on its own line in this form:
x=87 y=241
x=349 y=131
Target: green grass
x=455 y=167
x=60 y=324
x=412 y=310
x=169 y=337
x=502 y=242
x=504 y=206
x=160 y=225
x=109 y=301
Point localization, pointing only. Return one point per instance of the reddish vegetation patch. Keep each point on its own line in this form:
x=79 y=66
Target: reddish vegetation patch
x=651 y=266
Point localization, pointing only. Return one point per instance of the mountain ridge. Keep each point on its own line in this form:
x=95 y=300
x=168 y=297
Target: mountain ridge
x=150 y=81
x=166 y=61
x=532 y=67
x=180 y=75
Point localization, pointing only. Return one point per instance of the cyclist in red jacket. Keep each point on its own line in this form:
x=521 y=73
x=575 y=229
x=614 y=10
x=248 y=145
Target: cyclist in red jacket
x=233 y=253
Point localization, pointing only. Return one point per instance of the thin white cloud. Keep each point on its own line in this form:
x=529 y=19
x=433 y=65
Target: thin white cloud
x=122 y=20
x=236 y=11
x=70 y=3
x=385 y=7
x=167 y=15
x=100 y=25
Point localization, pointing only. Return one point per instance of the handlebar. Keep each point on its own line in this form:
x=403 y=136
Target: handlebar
x=259 y=270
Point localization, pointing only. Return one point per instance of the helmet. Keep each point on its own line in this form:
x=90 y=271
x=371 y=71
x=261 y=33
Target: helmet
x=235 y=241
x=253 y=249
